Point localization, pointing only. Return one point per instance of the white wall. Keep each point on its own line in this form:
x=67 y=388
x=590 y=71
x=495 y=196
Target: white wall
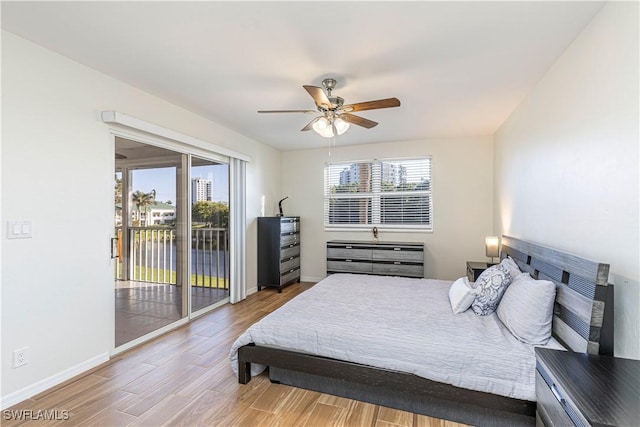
x=57 y=171
x=462 y=200
x=567 y=160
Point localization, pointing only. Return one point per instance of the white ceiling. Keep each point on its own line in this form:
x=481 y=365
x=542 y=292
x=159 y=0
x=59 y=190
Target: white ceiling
x=459 y=68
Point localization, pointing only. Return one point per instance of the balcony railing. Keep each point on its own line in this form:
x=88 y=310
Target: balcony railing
x=152 y=256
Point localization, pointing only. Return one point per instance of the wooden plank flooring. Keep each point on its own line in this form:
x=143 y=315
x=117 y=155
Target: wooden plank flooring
x=183 y=378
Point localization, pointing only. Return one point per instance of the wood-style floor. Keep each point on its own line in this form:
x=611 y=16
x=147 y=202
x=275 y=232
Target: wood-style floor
x=184 y=378
x=143 y=307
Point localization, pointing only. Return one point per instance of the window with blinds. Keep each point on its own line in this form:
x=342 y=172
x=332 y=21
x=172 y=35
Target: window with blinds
x=387 y=193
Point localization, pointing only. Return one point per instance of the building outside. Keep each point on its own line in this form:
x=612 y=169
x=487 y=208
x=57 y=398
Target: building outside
x=392 y=173
x=201 y=190
x=350 y=175
x=157 y=213
x=160 y=213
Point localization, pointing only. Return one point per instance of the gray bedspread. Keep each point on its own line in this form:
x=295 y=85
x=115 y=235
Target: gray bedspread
x=401 y=324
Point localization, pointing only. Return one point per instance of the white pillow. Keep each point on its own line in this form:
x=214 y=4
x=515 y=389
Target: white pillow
x=526 y=309
x=461 y=295
x=511 y=266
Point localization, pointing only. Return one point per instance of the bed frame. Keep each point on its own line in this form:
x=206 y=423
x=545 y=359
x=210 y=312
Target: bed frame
x=582 y=322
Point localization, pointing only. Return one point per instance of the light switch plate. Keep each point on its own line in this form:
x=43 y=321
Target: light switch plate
x=19 y=229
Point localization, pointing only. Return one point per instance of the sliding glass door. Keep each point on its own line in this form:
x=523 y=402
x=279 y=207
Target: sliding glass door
x=209 y=233
x=172 y=238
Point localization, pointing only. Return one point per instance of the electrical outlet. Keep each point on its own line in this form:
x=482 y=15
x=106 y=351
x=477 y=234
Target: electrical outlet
x=20 y=357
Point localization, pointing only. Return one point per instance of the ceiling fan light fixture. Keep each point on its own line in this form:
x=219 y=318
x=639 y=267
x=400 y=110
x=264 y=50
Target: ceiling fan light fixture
x=341 y=126
x=336 y=117
x=323 y=127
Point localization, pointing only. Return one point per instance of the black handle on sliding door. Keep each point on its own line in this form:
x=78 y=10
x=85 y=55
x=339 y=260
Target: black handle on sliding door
x=114 y=248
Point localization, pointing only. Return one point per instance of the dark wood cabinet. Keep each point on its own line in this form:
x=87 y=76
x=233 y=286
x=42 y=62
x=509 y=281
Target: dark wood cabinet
x=278 y=251
x=586 y=389
x=382 y=258
x=474 y=269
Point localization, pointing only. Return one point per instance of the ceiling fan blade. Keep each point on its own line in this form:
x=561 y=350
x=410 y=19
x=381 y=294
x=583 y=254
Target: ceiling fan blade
x=318 y=96
x=357 y=120
x=120 y=156
x=287 y=111
x=309 y=126
x=373 y=105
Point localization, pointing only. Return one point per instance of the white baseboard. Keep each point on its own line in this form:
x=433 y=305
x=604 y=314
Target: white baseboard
x=45 y=384
x=310 y=279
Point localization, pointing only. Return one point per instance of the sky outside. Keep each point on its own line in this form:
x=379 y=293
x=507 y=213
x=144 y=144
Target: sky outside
x=163 y=180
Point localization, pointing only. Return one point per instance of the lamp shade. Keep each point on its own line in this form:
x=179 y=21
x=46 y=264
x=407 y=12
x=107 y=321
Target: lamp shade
x=492 y=246
x=323 y=127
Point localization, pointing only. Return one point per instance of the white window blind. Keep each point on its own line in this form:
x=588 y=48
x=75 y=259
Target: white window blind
x=387 y=193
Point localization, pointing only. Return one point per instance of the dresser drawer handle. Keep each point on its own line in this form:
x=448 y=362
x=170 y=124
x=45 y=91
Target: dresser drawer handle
x=348 y=247
x=557 y=394
x=348 y=260
x=397 y=262
x=290 y=258
x=397 y=249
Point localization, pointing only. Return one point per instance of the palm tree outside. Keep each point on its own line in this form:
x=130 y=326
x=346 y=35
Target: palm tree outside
x=142 y=201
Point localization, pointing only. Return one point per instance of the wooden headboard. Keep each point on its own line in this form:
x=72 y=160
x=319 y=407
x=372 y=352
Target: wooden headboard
x=583 y=310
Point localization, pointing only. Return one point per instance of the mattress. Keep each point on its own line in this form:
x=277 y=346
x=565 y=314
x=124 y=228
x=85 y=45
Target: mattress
x=400 y=324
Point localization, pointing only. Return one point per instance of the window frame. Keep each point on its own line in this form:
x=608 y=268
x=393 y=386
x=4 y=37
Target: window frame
x=375 y=195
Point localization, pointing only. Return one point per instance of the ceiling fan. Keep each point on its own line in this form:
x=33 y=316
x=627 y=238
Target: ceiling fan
x=336 y=117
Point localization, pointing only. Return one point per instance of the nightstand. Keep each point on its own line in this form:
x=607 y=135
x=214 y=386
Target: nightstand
x=586 y=389
x=474 y=269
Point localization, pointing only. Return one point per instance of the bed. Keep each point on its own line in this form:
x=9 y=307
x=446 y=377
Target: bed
x=451 y=383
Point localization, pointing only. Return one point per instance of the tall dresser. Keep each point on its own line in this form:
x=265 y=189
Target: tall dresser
x=278 y=251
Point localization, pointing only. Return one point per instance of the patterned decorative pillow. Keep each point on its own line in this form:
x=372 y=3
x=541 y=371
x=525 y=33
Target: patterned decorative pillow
x=490 y=287
x=512 y=267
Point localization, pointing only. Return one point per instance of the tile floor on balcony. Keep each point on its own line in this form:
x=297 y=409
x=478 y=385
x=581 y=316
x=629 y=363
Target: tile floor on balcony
x=143 y=307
